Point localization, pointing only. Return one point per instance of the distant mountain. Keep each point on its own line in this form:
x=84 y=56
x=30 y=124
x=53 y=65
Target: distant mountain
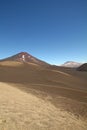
x=71 y=64
x=26 y=58
x=83 y=67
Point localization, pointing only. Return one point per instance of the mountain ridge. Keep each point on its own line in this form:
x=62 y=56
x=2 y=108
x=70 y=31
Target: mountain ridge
x=25 y=57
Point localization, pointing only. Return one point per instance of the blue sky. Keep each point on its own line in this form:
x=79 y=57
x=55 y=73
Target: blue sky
x=52 y=30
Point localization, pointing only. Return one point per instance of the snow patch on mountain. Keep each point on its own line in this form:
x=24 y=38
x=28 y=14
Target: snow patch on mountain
x=71 y=64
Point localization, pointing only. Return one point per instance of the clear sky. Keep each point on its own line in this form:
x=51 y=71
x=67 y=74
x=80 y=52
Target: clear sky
x=52 y=30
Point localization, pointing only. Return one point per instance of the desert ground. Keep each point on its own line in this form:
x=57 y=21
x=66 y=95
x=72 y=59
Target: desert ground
x=34 y=97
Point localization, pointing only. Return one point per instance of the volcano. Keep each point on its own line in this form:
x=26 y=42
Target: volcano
x=25 y=58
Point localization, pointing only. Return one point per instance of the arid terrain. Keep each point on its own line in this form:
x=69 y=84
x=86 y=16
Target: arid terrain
x=33 y=97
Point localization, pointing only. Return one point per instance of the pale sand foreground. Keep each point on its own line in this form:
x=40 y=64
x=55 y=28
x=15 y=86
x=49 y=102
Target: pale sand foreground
x=24 y=111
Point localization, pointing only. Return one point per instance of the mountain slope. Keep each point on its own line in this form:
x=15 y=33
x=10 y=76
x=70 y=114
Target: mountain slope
x=82 y=67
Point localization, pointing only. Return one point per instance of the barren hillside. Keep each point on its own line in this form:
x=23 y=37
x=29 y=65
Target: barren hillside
x=33 y=97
